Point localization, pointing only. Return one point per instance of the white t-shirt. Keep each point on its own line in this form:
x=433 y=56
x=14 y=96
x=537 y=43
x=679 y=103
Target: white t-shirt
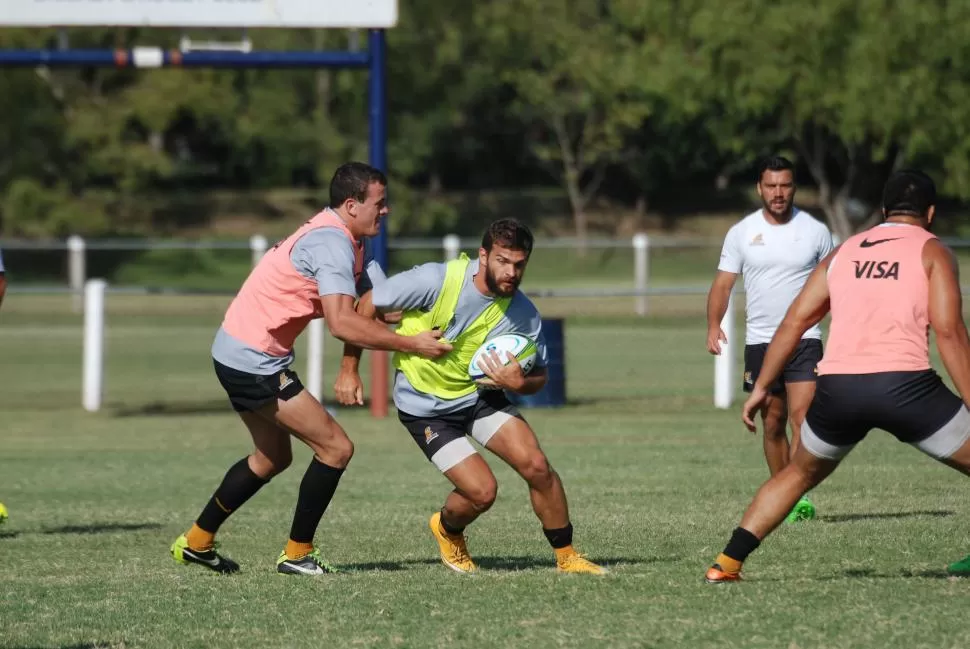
x=776 y=261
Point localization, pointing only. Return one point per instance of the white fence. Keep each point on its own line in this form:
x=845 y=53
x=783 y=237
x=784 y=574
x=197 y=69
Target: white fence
x=88 y=294
x=77 y=250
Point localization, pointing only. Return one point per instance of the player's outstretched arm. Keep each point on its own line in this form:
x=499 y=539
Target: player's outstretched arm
x=351 y=327
x=807 y=310
x=946 y=314
x=718 y=299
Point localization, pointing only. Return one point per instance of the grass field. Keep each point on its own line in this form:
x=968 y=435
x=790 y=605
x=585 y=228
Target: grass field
x=657 y=479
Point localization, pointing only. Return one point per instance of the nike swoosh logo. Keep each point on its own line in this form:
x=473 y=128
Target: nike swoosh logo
x=209 y=562
x=868 y=244
x=316 y=570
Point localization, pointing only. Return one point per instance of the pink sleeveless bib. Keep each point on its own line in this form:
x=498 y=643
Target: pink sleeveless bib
x=276 y=302
x=879 y=296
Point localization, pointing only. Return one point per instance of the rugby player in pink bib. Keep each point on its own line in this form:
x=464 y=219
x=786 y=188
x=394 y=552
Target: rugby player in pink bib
x=885 y=288
x=316 y=272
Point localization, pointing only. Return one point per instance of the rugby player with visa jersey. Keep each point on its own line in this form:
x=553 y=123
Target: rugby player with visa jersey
x=775 y=248
x=441 y=406
x=317 y=272
x=885 y=289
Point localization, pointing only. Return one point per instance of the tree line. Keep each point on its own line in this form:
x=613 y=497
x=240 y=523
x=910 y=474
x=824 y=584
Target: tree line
x=628 y=101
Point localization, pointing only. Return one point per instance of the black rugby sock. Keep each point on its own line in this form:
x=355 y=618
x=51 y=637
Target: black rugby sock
x=742 y=544
x=559 y=538
x=239 y=485
x=316 y=491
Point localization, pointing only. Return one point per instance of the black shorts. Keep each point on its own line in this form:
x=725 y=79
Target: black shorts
x=915 y=407
x=442 y=438
x=800 y=367
x=252 y=391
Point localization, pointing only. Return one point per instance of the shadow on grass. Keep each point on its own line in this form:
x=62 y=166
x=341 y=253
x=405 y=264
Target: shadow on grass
x=870 y=573
x=9 y=535
x=83 y=645
x=529 y=563
x=499 y=563
x=174 y=408
x=389 y=566
x=849 y=518
x=214 y=407
x=101 y=528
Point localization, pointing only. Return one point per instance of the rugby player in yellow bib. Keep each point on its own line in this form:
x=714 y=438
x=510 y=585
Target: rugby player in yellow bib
x=472 y=301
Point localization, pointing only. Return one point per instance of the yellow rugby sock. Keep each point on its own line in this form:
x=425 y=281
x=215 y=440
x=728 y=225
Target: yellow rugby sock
x=297 y=550
x=729 y=565
x=199 y=540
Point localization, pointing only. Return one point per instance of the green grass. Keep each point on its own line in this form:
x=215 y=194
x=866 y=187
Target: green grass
x=657 y=479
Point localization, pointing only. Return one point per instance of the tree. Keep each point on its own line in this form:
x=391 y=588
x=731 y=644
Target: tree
x=850 y=85
x=575 y=78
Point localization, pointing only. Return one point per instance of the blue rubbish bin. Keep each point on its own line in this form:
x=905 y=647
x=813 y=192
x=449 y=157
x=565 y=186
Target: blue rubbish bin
x=553 y=395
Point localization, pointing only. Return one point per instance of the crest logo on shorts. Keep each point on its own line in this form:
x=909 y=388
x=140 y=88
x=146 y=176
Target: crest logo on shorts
x=747 y=378
x=284 y=380
x=429 y=435
x=758 y=240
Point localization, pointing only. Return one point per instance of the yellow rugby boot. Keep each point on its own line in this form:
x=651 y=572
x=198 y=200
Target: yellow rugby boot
x=568 y=560
x=454 y=553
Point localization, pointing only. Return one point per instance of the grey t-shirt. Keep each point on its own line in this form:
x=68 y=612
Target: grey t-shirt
x=1 y=262
x=325 y=255
x=418 y=288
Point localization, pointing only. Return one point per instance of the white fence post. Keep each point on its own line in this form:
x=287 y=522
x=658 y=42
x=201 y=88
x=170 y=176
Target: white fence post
x=258 y=245
x=93 y=372
x=724 y=362
x=452 y=245
x=314 y=359
x=641 y=269
x=76 y=270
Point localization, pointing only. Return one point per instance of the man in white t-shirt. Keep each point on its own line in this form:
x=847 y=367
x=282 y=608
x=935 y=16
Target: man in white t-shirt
x=775 y=248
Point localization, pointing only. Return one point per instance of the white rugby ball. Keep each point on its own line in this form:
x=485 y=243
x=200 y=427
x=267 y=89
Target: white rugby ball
x=521 y=347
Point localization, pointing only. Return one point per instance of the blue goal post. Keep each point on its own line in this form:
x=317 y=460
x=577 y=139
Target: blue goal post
x=375 y=16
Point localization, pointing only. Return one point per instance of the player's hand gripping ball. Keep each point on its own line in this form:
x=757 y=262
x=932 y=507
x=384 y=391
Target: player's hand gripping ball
x=522 y=348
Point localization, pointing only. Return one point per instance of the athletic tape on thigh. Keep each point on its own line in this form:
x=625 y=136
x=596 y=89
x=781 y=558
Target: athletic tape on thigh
x=449 y=455
x=485 y=428
x=949 y=438
x=820 y=448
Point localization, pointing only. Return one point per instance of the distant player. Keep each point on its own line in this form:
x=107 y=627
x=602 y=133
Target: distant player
x=885 y=289
x=317 y=271
x=775 y=249
x=437 y=401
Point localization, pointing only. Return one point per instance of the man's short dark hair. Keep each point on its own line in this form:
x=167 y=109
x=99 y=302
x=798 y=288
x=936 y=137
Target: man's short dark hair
x=508 y=233
x=775 y=163
x=351 y=180
x=908 y=192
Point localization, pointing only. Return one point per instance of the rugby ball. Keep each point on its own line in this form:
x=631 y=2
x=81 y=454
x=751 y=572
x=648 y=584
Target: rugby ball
x=521 y=347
